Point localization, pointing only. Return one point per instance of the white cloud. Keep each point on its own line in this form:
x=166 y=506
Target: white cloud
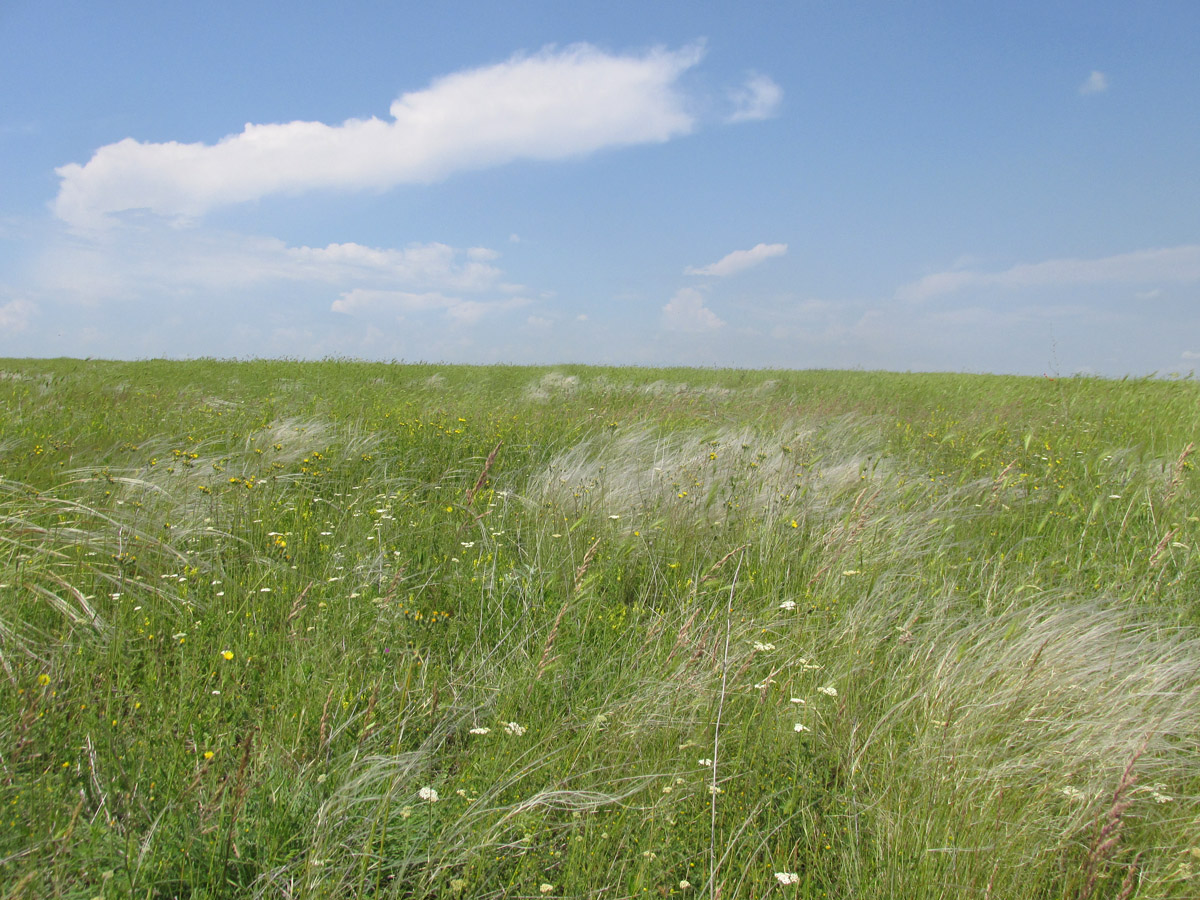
x=125 y=262
x=686 y=312
x=552 y=104
x=1169 y=264
x=1190 y=355
x=1096 y=83
x=738 y=260
x=15 y=315
x=758 y=98
x=371 y=302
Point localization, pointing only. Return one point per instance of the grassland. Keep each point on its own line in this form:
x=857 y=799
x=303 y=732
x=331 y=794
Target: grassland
x=307 y=630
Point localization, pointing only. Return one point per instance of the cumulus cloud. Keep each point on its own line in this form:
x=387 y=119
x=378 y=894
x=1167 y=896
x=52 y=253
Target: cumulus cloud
x=1169 y=264
x=553 y=104
x=738 y=260
x=758 y=98
x=686 y=312
x=1096 y=83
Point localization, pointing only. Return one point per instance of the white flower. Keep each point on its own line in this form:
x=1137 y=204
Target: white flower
x=706 y=762
x=684 y=885
x=546 y=888
x=828 y=691
x=515 y=729
x=763 y=648
x=428 y=793
x=787 y=877
x=788 y=604
x=798 y=727
x=480 y=730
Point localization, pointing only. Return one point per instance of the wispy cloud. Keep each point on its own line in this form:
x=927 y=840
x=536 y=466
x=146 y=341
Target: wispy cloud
x=738 y=260
x=686 y=312
x=554 y=104
x=1166 y=265
x=15 y=315
x=758 y=98
x=1095 y=83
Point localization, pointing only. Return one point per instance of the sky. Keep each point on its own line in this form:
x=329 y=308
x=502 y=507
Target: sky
x=927 y=186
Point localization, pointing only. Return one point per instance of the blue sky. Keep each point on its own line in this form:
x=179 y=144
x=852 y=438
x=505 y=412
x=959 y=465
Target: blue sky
x=1008 y=187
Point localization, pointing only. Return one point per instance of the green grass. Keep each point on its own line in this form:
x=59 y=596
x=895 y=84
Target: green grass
x=248 y=611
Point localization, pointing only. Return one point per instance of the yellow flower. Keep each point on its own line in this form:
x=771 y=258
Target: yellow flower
x=208 y=754
x=228 y=654
x=43 y=679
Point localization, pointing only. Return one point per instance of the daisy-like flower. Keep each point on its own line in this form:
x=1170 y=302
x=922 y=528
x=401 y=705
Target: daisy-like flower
x=428 y=793
x=787 y=877
x=799 y=727
x=514 y=729
x=828 y=691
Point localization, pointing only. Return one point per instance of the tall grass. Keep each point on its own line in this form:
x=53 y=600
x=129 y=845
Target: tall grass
x=337 y=630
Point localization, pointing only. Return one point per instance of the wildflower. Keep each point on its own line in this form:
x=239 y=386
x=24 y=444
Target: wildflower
x=706 y=762
x=43 y=679
x=788 y=604
x=428 y=793
x=406 y=812
x=787 y=877
x=457 y=884
x=799 y=700
x=614 y=517
x=852 y=572
x=546 y=888
x=714 y=790
x=799 y=727
x=828 y=691
x=684 y=885
x=514 y=729
x=480 y=730
x=208 y=754
x=228 y=654
x=760 y=647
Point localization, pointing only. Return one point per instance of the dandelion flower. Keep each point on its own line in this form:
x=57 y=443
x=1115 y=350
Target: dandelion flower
x=828 y=691
x=428 y=793
x=228 y=654
x=787 y=877
x=514 y=729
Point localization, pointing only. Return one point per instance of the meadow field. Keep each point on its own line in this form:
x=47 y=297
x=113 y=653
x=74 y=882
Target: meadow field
x=338 y=629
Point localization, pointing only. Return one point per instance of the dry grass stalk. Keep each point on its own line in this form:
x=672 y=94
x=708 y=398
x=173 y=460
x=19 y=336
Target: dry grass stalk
x=720 y=562
x=484 y=474
x=1105 y=844
x=1156 y=556
x=1177 y=470
x=583 y=567
x=999 y=481
x=546 y=658
x=841 y=538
